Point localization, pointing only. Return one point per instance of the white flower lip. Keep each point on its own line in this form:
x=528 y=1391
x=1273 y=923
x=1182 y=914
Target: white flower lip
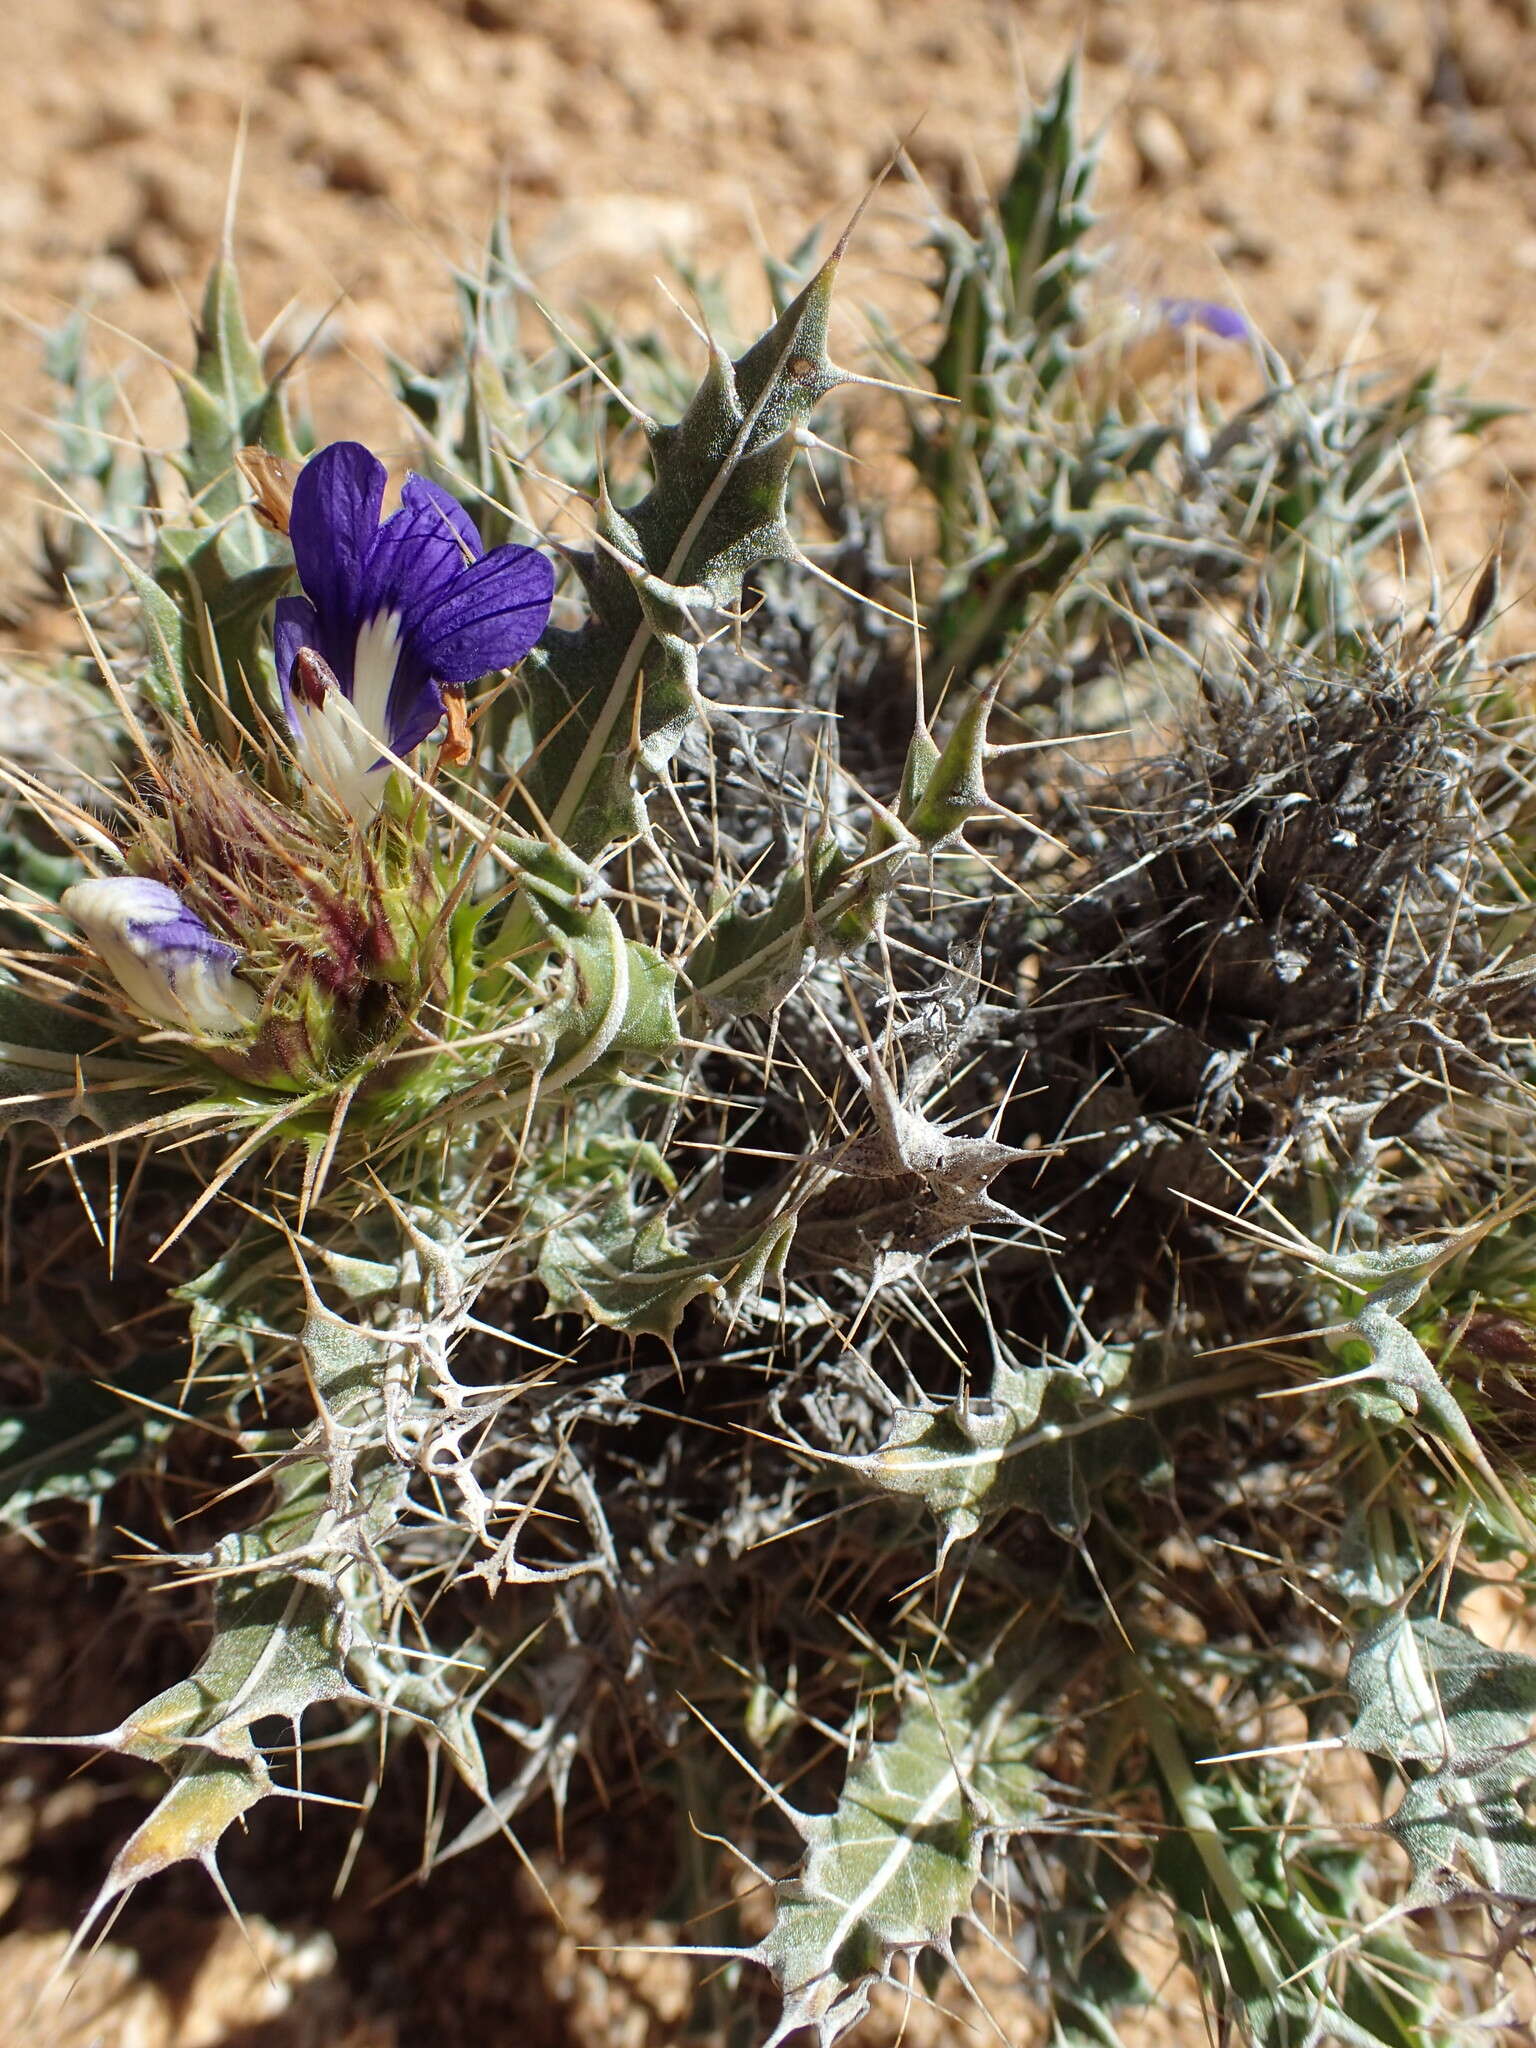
x=340 y=755
x=167 y=963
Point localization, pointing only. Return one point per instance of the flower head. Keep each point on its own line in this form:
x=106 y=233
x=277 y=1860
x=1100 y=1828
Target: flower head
x=165 y=960
x=393 y=615
x=1210 y=315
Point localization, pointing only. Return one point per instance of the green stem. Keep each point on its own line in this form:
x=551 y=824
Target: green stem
x=1204 y=1833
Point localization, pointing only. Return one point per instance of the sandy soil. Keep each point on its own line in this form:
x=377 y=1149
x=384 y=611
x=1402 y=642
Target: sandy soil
x=1335 y=165
x=1355 y=173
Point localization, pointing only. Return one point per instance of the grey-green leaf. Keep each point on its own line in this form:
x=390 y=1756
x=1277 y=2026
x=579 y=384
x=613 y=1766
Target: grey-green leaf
x=896 y=1863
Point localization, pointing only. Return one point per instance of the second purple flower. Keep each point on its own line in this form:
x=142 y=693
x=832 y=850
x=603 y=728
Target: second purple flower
x=392 y=613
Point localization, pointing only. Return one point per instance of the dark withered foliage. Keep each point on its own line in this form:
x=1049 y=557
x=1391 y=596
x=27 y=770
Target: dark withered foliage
x=1284 y=950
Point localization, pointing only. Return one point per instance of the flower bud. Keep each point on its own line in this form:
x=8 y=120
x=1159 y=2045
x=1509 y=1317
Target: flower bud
x=163 y=958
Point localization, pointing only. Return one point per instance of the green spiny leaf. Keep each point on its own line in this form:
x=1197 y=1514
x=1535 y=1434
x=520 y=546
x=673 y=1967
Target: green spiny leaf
x=58 y=1065
x=277 y=1650
x=230 y=402
x=613 y=698
x=1456 y=1717
x=1045 y=1440
x=941 y=796
x=622 y=1268
x=85 y=1434
x=892 y=1868
x=1258 y=1912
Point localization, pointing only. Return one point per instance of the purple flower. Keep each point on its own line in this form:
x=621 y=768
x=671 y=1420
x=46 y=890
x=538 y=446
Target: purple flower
x=391 y=615
x=1225 y=322
x=166 y=961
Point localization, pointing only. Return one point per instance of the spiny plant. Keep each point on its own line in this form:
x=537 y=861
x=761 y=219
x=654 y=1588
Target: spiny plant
x=942 y=1287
